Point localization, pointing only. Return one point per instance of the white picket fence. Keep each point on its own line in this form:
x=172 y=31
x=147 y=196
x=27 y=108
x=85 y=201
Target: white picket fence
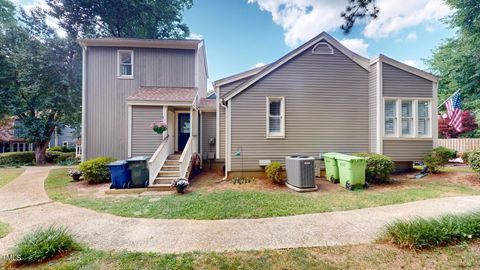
x=460 y=145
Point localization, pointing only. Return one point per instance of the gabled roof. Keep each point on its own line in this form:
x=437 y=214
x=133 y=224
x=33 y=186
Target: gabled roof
x=7 y=131
x=207 y=103
x=168 y=94
x=405 y=67
x=192 y=44
x=360 y=60
x=239 y=76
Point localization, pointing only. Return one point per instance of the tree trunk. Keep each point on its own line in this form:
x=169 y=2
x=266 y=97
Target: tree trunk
x=41 y=153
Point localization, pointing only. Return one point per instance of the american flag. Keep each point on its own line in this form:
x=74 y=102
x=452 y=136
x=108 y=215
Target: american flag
x=454 y=111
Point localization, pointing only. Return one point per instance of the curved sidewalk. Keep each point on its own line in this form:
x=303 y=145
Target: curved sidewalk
x=108 y=232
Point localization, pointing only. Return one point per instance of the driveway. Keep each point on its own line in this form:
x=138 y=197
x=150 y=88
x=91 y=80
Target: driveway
x=26 y=208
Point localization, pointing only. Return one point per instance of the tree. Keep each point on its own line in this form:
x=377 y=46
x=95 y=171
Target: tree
x=122 y=18
x=39 y=86
x=469 y=126
x=7 y=14
x=457 y=60
x=358 y=9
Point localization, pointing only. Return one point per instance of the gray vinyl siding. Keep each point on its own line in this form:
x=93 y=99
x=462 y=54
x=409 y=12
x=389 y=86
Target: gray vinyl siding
x=144 y=140
x=225 y=89
x=407 y=150
x=372 y=107
x=106 y=107
x=323 y=49
x=209 y=130
x=202 y=74
x=221 y=138
x=399 y=83
x=326 y=109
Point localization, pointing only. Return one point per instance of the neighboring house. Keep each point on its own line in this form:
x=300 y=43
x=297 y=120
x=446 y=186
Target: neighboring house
x=9 y=142
x=129 y=84
x=322 y=97
x=67 y=137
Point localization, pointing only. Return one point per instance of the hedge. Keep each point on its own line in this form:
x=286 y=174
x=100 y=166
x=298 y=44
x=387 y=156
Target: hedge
x=379 y=167
x=17 y=158
x=96 y=170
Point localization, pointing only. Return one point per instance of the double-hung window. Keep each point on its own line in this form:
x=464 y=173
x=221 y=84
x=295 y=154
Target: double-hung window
x=423 y=118
x=390 y=117
x=125 y=64
x=407 y=118
x=275 y=117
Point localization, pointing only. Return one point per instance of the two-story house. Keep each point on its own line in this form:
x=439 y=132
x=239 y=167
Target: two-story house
x=130 y=84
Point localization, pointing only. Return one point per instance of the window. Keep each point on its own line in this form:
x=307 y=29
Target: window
x=65 y=144
x=125 y=64
x=390 y=117
x=407 y=118
x=275 y=117
x=423 y=118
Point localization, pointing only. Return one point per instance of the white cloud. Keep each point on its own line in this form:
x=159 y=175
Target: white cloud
x=430 y=28
x=195 y=36
x=411 y=37
x=357 y=45
x=259 y=64
x=52 y=22
x=412 y=63
x=396 y=15
x=303 y=19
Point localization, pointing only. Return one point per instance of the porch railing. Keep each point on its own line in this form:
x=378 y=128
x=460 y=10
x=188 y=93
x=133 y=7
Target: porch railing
x=156 y=162
x=185 y=158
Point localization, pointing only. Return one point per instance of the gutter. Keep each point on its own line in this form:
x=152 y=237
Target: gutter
x=222 y=103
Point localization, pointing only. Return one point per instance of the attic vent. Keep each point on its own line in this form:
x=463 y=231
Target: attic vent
x=322 y=48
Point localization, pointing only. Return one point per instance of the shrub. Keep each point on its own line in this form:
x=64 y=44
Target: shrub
x=427 y=233
x=63 y=149
x=43 y=244
x=17 y=158
x=474 y=160
x=379 y=167
x=464 y=155
x=96 y=170
x=274 y=172
x=55 y=156
x=438 y=158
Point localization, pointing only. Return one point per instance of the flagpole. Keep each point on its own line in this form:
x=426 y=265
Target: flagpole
x=459 y=90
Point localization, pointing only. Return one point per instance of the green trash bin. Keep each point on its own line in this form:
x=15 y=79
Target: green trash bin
x=138 y=167
x=331 y=167
x=351 y=171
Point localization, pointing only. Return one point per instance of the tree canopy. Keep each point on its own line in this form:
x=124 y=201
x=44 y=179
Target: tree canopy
x=122 y=18
x=358 y=9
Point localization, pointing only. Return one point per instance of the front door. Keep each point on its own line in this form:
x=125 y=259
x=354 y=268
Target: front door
x=183 y=130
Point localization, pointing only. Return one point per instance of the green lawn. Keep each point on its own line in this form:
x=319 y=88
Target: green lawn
x=8 y=174
x=378 y=256
x=4 y=229
x=249 y=204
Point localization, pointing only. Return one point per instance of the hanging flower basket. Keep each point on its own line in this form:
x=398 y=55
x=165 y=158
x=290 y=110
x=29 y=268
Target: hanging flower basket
x=159 y=127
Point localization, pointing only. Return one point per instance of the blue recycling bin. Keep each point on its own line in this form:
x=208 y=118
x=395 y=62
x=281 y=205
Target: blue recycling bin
x=120 y=174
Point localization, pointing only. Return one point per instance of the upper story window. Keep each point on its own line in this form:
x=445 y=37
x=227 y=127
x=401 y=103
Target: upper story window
x=407 y=118
x=275 y=117
x=125 y=64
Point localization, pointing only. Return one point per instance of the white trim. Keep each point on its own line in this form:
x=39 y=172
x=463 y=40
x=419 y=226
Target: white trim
x=322 y=43
x=190 y=44
x=380 y=109
x=129 y=128
x=196 y=69
x=84 y=104
x=434 y=115
x=127 y=77
x=217 y=116
x=165 y=119
x=201 y=136
x=176 y=126
x=275 y=135
x=360 y=60
x=405 y=67
x=229 y=135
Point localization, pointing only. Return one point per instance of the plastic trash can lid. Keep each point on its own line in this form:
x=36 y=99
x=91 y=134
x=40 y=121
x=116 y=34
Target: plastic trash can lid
x=139 y=158
x=349 y=158
x=117 y=163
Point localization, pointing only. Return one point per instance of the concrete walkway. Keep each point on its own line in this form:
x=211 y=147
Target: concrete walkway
x=108 y=232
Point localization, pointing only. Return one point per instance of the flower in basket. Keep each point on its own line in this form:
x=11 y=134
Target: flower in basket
x=159 y=127
x=75 y=174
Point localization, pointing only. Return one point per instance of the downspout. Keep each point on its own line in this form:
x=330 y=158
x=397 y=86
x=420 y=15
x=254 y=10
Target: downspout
x=84 y=102
x=226 y=140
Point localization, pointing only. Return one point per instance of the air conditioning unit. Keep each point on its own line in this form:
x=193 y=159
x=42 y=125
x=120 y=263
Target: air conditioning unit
x=301 y=173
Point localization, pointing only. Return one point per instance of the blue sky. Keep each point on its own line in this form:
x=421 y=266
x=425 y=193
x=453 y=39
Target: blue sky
x=240 y=34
